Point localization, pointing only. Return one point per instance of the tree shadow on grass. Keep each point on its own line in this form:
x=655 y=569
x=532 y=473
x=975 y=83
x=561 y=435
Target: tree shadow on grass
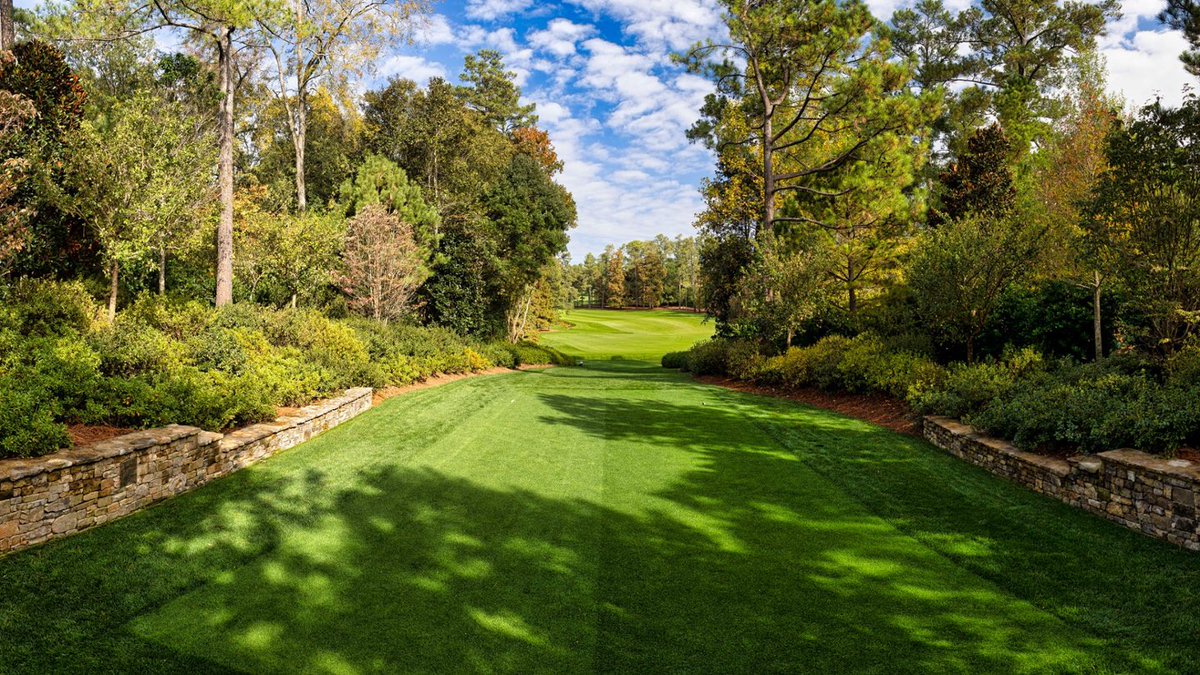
x=743 y=561
x=1140 y=596
x=419 y=571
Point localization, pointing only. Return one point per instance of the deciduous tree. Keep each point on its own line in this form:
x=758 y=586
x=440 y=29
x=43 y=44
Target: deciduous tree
x=326 y=39
x=384 y=265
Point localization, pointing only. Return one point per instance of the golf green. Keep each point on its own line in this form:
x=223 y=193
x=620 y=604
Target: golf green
x=610 y=517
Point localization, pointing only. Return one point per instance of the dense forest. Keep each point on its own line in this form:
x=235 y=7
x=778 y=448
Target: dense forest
x=653 y=273
x=256 y=229
x=950 y=207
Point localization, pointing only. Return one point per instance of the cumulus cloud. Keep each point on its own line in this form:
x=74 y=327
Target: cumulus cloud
x=415 y=68
x=1146 y=66
x=490 y=10
x=617 y=108
x=560 y=37
x=675 y=24
x=436 y=31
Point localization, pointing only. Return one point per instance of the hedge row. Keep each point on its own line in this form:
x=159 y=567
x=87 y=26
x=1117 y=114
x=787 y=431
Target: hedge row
x=1040 y=405
x=164 y=362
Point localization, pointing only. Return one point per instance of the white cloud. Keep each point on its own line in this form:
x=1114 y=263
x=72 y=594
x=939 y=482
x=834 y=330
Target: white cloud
x=1147 y=65
x=436 y=31
x=490 y=10
x=675 y=24
x=616 y=108
x=415 y=68
x=1132 y=12
x=560 y=37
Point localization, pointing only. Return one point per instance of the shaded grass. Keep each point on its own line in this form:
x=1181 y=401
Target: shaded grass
x=635 y=334
x=617 y=517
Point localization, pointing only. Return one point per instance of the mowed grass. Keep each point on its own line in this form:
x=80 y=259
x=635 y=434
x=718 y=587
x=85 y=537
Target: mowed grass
x=628 y=334
x=615 y=517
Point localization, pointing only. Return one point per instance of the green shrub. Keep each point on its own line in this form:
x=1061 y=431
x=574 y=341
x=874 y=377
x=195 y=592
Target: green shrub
x=52 y=307
x=499 y=354
x=862 y=364
x=218 y=348
x=962 y=390
x=533 y=354
x=27 y=421
x=165 y=361
x=709 y=358
x=676 y=360
x=1093 y=409
x=128 y=347
x=898 y=373
x=178 y=320
x=742 y=360
x=1183 y=368
x=824 y=362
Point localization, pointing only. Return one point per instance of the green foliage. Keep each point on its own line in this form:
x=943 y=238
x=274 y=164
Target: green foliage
x=379 y=181
x=962 y=269
x=524 y=353
x=980 y=183
x=710 y=357
x=492 y=92
x=1093 y=410
x=1145 y=215
x=164 y=362
x=27 y=423
x=131 y=348
x=863 y=364
x=51 y=308
x=41 y=74
x=676 y=360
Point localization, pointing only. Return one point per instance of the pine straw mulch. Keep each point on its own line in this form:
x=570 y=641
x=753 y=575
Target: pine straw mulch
x=877 y=409
x=86 y=434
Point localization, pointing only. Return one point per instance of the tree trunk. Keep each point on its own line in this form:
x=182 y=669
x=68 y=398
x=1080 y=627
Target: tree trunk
x=1097 y=330
x=162 y=269
x=225 y=170
x=768 y=174
x=299 y=139
x=300 y=125
x=970 y=350
x=8 y=30
x=852 y=303
x=293 y=301
x=113 y=287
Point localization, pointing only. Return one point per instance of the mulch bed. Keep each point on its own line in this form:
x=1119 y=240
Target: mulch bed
x=84 y=434
x=877 y=409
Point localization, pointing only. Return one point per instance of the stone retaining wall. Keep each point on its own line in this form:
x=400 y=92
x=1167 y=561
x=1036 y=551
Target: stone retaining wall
x=57 y=495
x=1144 y=492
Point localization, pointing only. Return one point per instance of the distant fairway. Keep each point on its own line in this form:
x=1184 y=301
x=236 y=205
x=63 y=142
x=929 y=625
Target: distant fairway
x=635 y=335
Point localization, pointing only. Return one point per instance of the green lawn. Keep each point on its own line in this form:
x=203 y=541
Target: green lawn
x=615 y=517
x=628 y=334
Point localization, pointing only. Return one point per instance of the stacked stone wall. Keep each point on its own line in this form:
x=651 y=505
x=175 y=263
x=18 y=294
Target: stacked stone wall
x=70 y=491
x=1151 y=494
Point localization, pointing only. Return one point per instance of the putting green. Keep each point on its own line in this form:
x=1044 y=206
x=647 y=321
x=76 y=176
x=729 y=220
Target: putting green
x=615 y=517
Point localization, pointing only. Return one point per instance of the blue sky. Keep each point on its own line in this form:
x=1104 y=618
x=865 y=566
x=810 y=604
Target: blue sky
x=616 y=108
